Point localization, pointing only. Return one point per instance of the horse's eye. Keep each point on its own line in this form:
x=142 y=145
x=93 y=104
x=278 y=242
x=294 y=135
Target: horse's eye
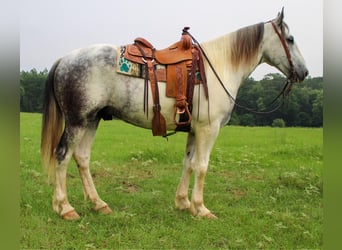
x=290 y=39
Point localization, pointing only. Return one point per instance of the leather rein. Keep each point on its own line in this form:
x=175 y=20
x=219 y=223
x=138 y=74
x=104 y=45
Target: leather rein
x=288 y=84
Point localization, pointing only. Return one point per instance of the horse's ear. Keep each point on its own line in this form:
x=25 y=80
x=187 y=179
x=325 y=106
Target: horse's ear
x=280 y=17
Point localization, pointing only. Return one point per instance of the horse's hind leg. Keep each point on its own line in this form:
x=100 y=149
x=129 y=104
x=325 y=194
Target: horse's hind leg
x=71 y=137
x=181 y=200
x=82 y=158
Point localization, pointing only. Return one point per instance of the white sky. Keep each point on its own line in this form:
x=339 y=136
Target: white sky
x=49 y=29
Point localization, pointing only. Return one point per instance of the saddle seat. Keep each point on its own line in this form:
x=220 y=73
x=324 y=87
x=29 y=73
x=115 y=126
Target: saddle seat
x=177 y=52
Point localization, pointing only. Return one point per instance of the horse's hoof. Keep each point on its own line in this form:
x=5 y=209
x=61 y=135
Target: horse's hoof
x=210 y=216
x=105 y=210
x=71 y=215
x=182 y=204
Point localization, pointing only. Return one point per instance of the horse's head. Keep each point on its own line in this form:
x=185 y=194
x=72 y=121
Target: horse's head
x=280 y=50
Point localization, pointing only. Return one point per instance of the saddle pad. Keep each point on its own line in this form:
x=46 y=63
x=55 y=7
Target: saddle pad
x=123 y=66
x=129 y=68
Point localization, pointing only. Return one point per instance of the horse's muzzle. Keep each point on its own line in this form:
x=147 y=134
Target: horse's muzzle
x=299 y=75
x=302 y=76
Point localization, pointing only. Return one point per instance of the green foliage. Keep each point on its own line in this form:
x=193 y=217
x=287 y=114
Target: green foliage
x=264 y=184
x=303 y=107
x=234 y=119
x=31 y=90
x=280 y=123
x=247 y=120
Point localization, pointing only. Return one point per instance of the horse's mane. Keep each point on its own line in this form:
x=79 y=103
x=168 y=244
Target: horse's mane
x=245 y=43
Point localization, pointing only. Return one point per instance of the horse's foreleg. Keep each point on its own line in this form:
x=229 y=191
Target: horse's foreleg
x=205 y=139
x=82 y=157
x=181 y=200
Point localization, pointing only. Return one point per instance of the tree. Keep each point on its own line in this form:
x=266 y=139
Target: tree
x=31 y=90
x=247 y=120
x=317 y=110
x=303 y=106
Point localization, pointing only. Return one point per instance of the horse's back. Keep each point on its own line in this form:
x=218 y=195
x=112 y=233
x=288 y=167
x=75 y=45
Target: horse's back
x=88 y=88
x=79 y=64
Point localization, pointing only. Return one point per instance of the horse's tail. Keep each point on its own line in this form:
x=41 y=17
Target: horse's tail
x=52 y=125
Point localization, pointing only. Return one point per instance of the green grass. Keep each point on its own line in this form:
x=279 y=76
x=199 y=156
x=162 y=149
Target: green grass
x=264 y=184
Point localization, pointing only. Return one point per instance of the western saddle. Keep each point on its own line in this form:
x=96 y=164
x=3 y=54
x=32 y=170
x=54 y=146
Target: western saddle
x=183 y=69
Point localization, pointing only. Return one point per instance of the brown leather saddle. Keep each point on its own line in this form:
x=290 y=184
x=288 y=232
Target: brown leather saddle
x=183 y=69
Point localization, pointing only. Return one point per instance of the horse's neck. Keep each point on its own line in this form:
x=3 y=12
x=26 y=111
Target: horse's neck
x=219 y=52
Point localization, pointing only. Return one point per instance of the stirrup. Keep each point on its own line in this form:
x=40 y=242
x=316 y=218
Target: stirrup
x=186 y=111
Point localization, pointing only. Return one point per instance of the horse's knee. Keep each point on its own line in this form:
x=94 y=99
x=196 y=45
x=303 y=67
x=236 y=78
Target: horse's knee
x=201 y=170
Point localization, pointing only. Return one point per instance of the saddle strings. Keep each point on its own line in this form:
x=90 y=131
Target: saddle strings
x=285 y=91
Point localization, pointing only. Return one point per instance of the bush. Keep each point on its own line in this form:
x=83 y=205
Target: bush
x=247 y=120
x=280 y=123
x=234 y=120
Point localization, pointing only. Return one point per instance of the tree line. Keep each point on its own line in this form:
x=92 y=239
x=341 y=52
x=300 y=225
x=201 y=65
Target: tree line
x=303 y=107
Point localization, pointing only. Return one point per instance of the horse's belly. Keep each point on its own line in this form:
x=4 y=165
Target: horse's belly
x=127 y=103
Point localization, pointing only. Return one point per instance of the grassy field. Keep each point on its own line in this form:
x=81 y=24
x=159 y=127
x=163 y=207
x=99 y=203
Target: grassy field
x=264 y=184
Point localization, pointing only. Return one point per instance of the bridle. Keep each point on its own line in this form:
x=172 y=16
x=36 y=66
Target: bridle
x=281 y=36
x=293 y=76
x=288 y=84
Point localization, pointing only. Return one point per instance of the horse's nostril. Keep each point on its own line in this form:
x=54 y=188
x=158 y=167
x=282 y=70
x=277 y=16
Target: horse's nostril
x=306 y=73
